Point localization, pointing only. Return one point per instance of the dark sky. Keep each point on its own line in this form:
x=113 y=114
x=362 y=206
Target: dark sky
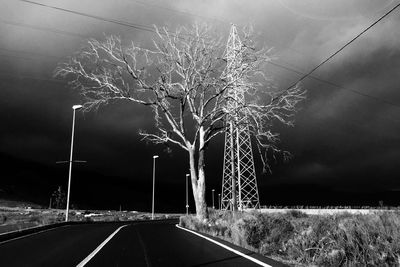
x=346 y=141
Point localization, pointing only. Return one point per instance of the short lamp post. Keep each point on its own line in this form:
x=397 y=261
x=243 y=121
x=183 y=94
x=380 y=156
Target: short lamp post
x=187 y=196
x=219 y=201
x=75 y=107
x=213 y=206
x=154 y=180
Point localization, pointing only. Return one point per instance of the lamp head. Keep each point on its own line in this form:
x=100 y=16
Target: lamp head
x=75 y=107
x=213 y=190
x=155 y=156
x=187 y=174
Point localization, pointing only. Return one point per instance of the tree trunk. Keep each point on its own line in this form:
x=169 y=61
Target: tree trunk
x=201 y=206
x=198 y=186
x=198 y=179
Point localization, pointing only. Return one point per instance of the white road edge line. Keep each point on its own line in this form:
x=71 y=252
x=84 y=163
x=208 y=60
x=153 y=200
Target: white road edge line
x=226 y=247
x=91 y=255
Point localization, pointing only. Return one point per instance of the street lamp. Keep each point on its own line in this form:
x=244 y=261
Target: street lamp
x=74 y=107
x=219 y=201
x=187 y=203
x=213 y=198
x=154 y=180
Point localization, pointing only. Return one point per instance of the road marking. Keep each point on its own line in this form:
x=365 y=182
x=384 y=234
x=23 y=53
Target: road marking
x=91 y=255
x=24 y=236
x=227 y=247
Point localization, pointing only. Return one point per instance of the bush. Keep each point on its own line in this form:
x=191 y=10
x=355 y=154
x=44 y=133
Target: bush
x=189 y=222
x=255 y=230
x=279 y=231
x=215 y=226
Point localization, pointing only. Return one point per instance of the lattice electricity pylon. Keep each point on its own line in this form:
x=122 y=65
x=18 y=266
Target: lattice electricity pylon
x=239 y=182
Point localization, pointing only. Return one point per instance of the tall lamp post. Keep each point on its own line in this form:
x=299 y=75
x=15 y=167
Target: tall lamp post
x=74 y=107
x=187 y=198
x=213 y=198
x=154 y=180
x=219 y=201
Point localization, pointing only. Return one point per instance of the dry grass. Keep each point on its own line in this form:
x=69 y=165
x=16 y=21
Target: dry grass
x=324 y=211
x=16 y=218
x=341 y=239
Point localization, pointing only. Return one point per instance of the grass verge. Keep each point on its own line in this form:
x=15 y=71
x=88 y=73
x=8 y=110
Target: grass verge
x=15 y=219
x=307 y=240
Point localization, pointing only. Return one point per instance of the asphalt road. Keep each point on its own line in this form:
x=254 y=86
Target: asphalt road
x=136 y=244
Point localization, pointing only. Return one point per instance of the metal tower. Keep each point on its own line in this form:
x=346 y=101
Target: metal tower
x=239 y=184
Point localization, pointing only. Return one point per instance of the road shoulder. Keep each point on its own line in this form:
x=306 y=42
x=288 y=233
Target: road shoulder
x=250 y=255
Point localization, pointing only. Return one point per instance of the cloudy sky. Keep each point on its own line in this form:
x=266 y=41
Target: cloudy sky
x=346 y=141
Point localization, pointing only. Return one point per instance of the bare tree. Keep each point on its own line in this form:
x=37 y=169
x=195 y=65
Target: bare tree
x=183 y=78
x=59 y=198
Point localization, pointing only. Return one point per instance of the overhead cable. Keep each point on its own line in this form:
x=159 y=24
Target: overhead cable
x=339 y=50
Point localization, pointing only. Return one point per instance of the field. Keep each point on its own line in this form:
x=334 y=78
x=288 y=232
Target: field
x=330 y=238
x=17 y=216
x=315 y=211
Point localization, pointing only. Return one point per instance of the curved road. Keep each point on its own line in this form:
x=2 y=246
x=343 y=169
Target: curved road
x=158 y=243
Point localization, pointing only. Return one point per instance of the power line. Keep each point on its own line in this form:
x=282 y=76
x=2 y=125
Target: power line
x=129 y=24
x=182 y=12
x=305 y=75
x=48 y=57
x=339 y=50
x=148 y=29
x=135 y=25
x=46 y=29
x=115 y=21
x=336 y=85
x=222 y=21
x=110 y=20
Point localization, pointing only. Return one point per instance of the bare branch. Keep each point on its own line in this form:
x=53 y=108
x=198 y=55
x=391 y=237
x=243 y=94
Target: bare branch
x=183 y=78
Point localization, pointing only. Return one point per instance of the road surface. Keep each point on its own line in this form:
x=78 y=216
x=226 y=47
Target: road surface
x=120 y=244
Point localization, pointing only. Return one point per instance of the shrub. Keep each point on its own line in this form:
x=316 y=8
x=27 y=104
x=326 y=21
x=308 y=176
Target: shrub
x=189 y=222
x=279 y=231
x=59 y=198
x=255 y=229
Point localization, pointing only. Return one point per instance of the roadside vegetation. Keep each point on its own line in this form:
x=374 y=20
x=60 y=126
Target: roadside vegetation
x=298 y=239
x=16 y=219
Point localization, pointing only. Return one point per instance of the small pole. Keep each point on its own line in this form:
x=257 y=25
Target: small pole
x=154 y=180
x=187 y=198
x=219 y=201
x=75 y=107
x=213 y=206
